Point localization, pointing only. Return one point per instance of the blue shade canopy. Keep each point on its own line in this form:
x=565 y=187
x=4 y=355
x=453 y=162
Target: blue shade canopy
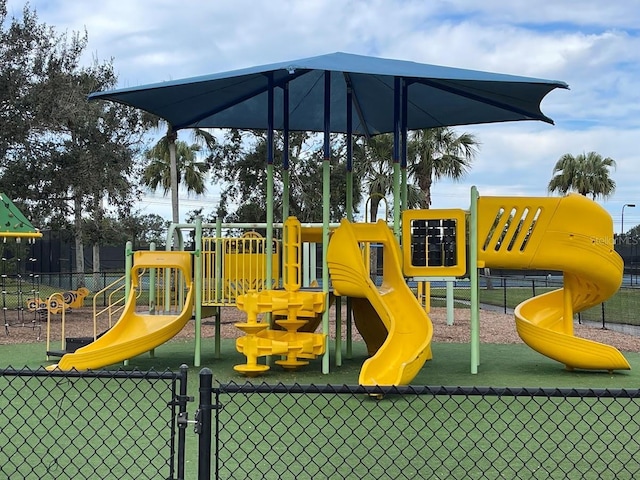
x=436 y=96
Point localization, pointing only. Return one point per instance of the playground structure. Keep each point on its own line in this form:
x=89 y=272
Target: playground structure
x=352 y=95
x=505 y=232
x=551 y=233
x=15 y=276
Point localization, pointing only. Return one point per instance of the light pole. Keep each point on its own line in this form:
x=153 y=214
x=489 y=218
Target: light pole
x=630 y=205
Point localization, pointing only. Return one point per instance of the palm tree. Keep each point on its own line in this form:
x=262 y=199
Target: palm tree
x=374 y=155
x=587 y=174
x=432 y=154
x=188 y=169
x=438 y=153
x=168 y=170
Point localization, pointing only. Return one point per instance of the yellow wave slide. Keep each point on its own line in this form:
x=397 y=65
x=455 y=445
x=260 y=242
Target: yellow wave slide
x=571 y=234
x=408 y=342
x=136 y=333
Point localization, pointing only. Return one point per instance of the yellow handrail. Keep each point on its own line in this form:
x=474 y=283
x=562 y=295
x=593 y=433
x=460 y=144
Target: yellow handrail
x=113 y=307
x=55 y=296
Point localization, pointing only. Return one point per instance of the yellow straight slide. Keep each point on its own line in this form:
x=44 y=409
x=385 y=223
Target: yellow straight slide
x=572 y=234
x=136 y=333
x=408 y=342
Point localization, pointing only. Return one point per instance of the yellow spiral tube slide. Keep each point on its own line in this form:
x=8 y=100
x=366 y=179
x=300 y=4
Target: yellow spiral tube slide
x=571 y=234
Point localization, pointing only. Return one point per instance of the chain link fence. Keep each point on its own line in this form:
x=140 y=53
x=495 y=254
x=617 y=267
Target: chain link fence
x=88 y=425
x=117 y=424
x=499 y=292
x=48 y=283
x=289 y=432
x=504 y=293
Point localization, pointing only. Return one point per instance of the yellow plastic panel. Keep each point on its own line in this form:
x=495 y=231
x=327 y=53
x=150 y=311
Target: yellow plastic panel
x=423 y=269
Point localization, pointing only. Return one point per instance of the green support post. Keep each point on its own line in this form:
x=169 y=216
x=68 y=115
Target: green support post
x=269 y=249
x=473 y=277
x=404 y=189
x=450 y=303
x=152 y=293
x=338 y=331
x=128 y=265
x=152 y=284
x=286 y=180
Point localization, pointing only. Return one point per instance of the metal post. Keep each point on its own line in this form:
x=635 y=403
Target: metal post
x=197 y=284
x=285 y=155
x=152 y=284
x=182 y=411
x=630 y=205
x=338 y=331
x=396 y=158
x=326 y=198
x=203 y=417
x=504 y=294
x=349 y=339
x=152 y=294
x=270 y=133
x=128 y=265
x=218 y=280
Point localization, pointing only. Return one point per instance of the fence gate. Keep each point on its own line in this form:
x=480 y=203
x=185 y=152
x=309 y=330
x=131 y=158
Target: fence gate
x=92 y=425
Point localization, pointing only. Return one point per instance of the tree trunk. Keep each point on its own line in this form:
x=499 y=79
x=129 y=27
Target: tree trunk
x=425 y=182
x=79 y=277
x=96 y=267
x=373 y=208
x=175 y=209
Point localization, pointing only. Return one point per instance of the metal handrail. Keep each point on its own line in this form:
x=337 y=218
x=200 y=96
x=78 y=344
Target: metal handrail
x=113 y=307
x=56 y=296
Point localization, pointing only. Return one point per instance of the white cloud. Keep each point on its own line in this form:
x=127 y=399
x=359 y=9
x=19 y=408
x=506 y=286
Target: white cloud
x=591 y=45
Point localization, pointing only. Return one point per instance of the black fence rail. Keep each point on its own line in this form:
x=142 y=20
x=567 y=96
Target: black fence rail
x=88 y=425
x=499 y=292
x=68 y=281
x=279 y=431
x=506 y=292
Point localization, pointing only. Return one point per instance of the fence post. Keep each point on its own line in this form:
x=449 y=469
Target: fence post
x=182 y=409
x=533 y=287
x=504 y=293
x=204 y=425
x=603 y=325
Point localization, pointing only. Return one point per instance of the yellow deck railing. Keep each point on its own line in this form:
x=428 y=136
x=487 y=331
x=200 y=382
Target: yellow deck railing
x=235 y=266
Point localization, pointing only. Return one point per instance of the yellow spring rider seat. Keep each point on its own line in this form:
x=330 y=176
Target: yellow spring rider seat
x=295 y=307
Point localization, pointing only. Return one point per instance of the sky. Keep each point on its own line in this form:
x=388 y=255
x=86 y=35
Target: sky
x=592 y=45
